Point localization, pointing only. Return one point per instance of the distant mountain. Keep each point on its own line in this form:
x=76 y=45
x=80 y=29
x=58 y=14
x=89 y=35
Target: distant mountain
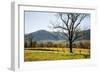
x=86 y=34
x=43 y=35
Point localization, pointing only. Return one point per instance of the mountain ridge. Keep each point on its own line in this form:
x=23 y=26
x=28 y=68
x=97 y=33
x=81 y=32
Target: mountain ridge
x=42 y=35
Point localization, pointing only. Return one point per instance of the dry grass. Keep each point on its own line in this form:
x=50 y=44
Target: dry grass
x=41 y=54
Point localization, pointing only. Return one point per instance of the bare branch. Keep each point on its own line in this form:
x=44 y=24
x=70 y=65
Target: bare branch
x=60 y=27
x=66 y=23
x=76 y=37
x=65 y=34
x=81 y=18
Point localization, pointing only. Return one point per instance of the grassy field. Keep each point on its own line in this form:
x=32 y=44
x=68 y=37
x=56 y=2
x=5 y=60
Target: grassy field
x=41 y=54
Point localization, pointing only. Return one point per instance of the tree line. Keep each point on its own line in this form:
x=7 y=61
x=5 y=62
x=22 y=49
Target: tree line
x=33 y=44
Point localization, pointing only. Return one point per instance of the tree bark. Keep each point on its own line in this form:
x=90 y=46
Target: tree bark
x=70 y=46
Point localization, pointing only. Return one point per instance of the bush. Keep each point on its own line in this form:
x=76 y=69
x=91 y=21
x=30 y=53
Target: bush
x=85 y=44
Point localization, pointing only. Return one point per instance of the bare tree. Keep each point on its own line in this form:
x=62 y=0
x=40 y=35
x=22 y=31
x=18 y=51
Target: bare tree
x=69 y=24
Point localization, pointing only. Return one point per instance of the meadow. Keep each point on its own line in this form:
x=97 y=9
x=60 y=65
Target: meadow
x=45 y=54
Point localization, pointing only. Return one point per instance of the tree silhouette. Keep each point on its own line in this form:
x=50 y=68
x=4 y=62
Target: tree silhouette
x=69 y=25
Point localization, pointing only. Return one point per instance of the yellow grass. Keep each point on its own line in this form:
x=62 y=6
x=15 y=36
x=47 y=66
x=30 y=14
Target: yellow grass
x=40 y=54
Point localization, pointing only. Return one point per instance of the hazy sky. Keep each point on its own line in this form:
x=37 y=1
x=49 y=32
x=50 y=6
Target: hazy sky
x=41 y=21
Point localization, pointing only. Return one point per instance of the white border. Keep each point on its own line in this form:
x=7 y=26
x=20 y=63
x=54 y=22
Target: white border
x=18 y=48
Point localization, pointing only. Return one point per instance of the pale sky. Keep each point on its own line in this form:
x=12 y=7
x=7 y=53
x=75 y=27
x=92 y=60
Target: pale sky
x=35 y=21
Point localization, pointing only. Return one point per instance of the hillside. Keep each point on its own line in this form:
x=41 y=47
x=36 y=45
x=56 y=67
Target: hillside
x=43 y=35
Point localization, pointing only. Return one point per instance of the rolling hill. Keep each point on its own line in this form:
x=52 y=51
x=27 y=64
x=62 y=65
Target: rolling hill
x=43 y=35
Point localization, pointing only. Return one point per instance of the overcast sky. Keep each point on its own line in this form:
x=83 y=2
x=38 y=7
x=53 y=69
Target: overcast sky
x=35 y=21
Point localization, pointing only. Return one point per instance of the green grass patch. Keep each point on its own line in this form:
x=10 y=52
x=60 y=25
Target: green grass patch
x=61 y=54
